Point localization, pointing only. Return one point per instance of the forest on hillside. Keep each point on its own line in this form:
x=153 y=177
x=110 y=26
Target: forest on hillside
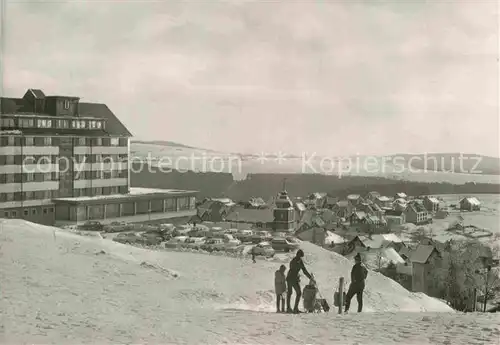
x=211 y=184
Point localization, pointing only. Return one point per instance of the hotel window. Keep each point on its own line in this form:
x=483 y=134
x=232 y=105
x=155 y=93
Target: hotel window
x=115 y=141
x=9 y=178
x=28 y=195
x=54 y=194
x=81 y=141
x=47 y=176
x=8 y=122
x=29 y=141
x=97 y=142
x=30 y=177
x=82 y=124
x=62 y=123
x=26 y=213
x=114 y=190
x=66 y=104
x=74 y=124
x=47 y=141
x=99 y=124
x=26 y=123
x=9 y=197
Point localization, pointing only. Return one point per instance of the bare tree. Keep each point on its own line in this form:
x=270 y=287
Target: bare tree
x=464 y=268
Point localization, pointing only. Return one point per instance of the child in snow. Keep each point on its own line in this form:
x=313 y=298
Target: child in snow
x=309 y=294
x=280 y=288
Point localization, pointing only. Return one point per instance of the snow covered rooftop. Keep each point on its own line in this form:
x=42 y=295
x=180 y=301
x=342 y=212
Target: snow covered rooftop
x=133 y=192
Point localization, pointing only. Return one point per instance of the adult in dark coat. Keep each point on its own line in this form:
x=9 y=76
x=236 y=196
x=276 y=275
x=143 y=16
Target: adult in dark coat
x=293 y=281
x=357 y=286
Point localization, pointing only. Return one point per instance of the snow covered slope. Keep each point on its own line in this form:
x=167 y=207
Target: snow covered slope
x=64 y=288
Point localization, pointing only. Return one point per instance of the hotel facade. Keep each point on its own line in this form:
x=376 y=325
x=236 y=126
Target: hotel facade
x=63 y=161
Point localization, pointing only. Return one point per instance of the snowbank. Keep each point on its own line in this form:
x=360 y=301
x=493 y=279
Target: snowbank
x=64 y=288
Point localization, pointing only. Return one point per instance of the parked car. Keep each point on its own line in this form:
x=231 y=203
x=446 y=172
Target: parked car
x=264 y=249
x=230 y=241
x=231 y=231
x=176 y=242
x=261 y=236
x=283 y=244
x=244 y=235
x=92 y=225
x=181 y=230
x=118 y=227
x=129 y=238
x=194 y=242
x=213 y=245
x=154 y=237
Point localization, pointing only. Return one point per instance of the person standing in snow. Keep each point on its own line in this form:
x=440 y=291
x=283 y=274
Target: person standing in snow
x=253 y=254
x=293 y=281
x=357 y=286
x=280 y=288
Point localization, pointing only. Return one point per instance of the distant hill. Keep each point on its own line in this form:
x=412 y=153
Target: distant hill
x=211 y=184
x=452 y=162
x=161 y=143
x=436 y=167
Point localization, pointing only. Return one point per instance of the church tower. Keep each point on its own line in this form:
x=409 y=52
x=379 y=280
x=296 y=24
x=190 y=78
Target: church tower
x=284 y=213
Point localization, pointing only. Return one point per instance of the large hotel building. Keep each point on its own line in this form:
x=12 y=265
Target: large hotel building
x=63 y=161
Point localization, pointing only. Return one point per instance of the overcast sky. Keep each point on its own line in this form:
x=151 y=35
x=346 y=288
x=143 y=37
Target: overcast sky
x=332 y=77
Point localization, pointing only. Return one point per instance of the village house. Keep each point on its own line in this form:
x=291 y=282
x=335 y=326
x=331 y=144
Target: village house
x=372 y=196
x=378 y=250
x=300 y=209
x=442 y=213
x=315 y=200
x=255 y=203
x=401 y=196
x=470 y=204
x=330 y=202
x=314 y=235
x=424 y=259
x=212 y=210
x=384 y=202
x=431 y=204
x=342 y=209
x=311 y=219
x=394 y=219
x=416 y=213
x=259 y=218
x=354 y=199
x=399 y=204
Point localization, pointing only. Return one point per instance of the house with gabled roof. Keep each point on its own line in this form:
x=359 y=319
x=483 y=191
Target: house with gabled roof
x=372 y=196
x=424 y=259
x=470 y=204
x=416 y=213
x=330 y=202
x=354 y=199
x=400 y=196
x=342 y=209
x=384 y=202
x=431 y=203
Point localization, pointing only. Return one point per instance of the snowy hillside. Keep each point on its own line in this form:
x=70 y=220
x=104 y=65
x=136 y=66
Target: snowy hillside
x=239 y=165
x=63 y=288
